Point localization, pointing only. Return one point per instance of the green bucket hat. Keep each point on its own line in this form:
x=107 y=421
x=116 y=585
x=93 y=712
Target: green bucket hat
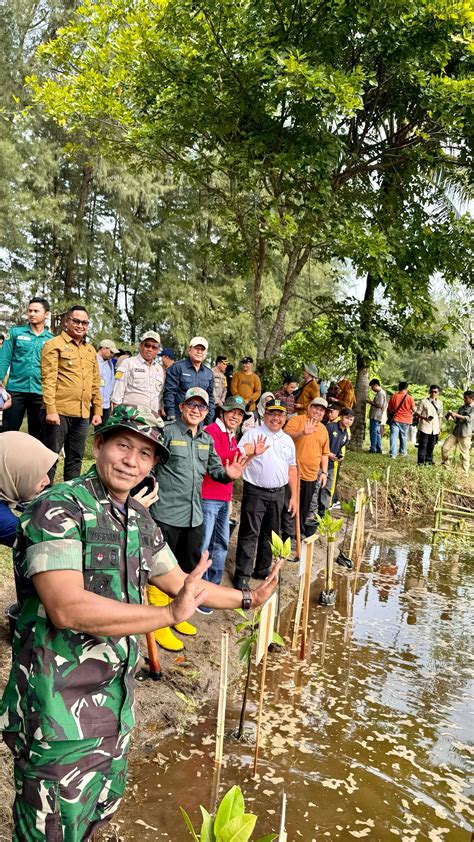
x=236 y=402
x=137 y=419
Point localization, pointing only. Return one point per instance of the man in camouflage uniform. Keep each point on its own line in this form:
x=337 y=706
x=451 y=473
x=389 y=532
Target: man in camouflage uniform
x=84 y=552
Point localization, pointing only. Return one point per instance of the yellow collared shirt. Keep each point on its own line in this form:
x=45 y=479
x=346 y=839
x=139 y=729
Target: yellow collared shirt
x=70 y=377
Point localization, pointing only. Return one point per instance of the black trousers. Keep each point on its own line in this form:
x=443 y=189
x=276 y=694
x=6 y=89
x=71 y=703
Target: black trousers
x=288 y=522
x=185 y=542
x=260 y=514
x=70 y=433
x=22 y=402
x=426 y=445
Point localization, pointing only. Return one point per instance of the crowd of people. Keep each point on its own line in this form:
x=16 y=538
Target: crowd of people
x=151 y=515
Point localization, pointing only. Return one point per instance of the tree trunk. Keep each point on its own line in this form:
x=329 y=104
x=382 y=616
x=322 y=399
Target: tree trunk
x=363 y=361
x=72 y=250
x=297 y=259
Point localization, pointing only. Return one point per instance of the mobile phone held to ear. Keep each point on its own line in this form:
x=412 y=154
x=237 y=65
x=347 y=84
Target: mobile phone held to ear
x=148 y=482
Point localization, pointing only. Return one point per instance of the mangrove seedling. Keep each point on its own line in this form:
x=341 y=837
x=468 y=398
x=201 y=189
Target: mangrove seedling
x=342 y=559
x=247 y=646
x=280 y=549
x=328 y=527
x=231 y=822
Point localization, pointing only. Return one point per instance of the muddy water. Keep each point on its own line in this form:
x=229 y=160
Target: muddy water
x=370 y=736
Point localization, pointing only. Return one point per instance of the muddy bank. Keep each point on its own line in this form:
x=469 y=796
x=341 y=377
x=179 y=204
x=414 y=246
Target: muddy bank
x=189 y=680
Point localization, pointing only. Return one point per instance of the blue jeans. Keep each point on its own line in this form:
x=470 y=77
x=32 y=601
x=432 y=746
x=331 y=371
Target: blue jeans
x=215 y=536
x=375 y=437
x=398 y=432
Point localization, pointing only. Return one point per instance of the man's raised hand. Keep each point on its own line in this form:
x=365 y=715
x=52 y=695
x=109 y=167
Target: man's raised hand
x=192 y=594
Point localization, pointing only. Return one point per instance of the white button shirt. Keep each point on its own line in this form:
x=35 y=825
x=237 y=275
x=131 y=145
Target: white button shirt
x=270 y=470
x=139 y=383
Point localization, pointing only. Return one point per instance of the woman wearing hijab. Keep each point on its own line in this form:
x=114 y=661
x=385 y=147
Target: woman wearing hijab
x=24 y=466
x=346 y=396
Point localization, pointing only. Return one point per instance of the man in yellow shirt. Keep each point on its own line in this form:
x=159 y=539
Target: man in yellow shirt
x=312 y=452
x=247 y=384
x=70 y=382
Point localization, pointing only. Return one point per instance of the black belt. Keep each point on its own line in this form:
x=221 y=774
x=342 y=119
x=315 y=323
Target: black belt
x=264 y=488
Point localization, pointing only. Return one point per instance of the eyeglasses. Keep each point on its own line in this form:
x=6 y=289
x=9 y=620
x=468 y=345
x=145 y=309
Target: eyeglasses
x=151 y=347
x=195 y=405
x=78 y=322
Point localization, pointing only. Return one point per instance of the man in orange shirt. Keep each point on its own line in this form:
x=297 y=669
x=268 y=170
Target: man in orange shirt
x=309 y=389
x=312 y=452
x=400 y=409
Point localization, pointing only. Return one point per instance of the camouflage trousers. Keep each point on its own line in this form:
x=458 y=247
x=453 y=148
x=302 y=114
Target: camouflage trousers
x=66 y=790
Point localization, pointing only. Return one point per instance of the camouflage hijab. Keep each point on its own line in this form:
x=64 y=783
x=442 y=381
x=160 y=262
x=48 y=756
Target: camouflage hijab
x=23 y=462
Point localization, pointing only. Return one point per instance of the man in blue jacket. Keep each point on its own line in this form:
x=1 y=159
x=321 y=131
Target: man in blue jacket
x=187 y=374
x=21 y=353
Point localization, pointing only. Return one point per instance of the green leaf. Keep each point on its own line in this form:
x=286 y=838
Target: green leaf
x=189 y=824
x=238 y=829
x=207 y=827
x=277 y=543
x=286 y=548
x=241 y=612
x=268 y=838
x=244 y=650
x=277 y=639
x=232 y=806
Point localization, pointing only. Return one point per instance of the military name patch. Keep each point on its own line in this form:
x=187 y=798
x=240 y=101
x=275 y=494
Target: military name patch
x=106 y=535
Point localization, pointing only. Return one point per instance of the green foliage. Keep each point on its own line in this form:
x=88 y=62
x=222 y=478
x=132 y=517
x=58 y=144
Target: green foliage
x=231 y=823
x=348 y=507
x=279 y=548
x=329 y=526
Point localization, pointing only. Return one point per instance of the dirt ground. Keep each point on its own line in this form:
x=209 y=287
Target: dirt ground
x=194 y=674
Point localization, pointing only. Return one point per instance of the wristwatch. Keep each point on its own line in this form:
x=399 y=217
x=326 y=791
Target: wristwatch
x=246 y=599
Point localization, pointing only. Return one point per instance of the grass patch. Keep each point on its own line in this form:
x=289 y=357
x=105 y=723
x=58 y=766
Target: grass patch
x=413 y=488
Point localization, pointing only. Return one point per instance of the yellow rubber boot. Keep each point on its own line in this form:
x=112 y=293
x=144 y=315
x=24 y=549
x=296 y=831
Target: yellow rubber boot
x=164 y=637
x=185 y=628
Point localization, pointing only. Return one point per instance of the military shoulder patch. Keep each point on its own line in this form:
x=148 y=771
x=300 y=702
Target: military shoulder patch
x=118 y=375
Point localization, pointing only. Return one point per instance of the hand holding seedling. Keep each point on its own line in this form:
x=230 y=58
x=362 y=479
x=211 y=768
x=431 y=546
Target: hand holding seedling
x=192 y=594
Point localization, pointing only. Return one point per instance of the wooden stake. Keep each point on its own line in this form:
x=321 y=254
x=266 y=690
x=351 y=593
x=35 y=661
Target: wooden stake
x=330 y=568
x=354 y=524
x=222 y=697
x=376 y=505
x=262 y=691
x=369 y=497
x=297 y=516
x=282 y=835
x=307 y=586
x=299 y=606
x=387 y=485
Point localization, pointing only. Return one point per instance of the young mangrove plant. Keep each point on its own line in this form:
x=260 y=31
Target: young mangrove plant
x=349 y=510
x=230 y=824
x=246 y=650
x=328 y=527
x=280 y=549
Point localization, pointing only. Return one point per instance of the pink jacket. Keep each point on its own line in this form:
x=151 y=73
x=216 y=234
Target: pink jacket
x=212 y=490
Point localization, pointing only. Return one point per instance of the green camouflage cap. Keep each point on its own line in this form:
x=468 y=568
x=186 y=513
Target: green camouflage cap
x=137 y=419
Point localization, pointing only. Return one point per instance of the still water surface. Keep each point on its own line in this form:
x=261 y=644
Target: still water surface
x=370 y=736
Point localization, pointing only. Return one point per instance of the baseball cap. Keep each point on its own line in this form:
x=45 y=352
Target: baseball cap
x=151 y=334
x=167 y=352
x=274 y=403
x=236 y=402
x=196 y=392
x=199 y=340
x=311 y=369
x=319 y=402
x=137 y=419
x=246 y=360
x=107 y=343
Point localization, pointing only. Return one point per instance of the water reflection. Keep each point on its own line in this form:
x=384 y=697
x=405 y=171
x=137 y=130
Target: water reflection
x=370 y=734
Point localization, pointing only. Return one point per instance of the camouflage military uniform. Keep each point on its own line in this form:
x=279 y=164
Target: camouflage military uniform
x=67 y=710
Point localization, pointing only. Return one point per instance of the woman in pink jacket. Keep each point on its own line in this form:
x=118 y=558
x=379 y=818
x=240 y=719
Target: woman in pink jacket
x=216 y=496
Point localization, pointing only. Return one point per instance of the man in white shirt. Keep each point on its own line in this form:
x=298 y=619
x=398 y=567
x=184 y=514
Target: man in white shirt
x=429 y=412
x=377 y=409
x=139 y=380
x=265 y=478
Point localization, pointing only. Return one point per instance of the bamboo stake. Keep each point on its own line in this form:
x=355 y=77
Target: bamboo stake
x=354 y=524
x=282 y=835
x=154 y=666
x=299 y=606
x=262 y=691
x=369 y=497
x=387 y=485
x=222 y=697
x=297 y=516
x=307 y=586
x=376 y=505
